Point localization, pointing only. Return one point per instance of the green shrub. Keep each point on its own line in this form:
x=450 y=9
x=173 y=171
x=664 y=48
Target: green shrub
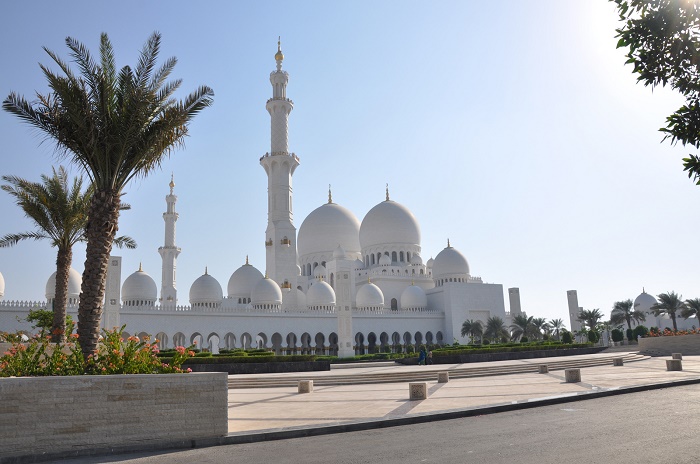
x=640 y=330
x=486 y=341
x=630 y=334
x=259 y=354
x=617 y=335
x=593 y=336
x=203 y=354
x=523 y=340
x=410 y=349
x=566 y=337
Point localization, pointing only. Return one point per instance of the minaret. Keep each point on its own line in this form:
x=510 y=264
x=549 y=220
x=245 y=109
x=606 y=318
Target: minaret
x=279 y=164
x=169 y=252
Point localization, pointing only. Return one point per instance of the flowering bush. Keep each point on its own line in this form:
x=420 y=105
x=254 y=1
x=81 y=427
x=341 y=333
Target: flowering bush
x=114 y=355
x=656 y=332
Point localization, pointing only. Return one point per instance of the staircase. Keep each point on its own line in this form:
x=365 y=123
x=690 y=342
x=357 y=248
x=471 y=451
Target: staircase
x=423 y=374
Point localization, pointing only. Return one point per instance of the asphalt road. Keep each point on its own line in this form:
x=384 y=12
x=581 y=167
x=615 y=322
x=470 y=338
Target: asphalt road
x=659 y=427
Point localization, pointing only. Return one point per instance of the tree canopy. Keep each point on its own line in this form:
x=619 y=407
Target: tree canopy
x=662 y=41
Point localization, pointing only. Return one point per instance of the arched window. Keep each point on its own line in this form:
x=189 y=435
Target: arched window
x=394 y=304
x=401 y=256
x=372 y=258
x=332 y=281
x=393 y=256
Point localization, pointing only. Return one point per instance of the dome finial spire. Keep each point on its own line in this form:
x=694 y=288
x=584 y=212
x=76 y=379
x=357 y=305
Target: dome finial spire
x=246 y=259
x=330 y=196
x=172 y=182
x=279 y=56
x=140 y=269
x=206 y=270
x=387 y=192
x=448 y=243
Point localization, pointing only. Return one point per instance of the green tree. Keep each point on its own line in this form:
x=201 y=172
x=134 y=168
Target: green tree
x=116 y=125
x=668 y=303
x=521 y=326
x=557 y=326
x=539 y=327
x=495 y=328
x=590 y=318
x=623 y=311
x=473 y=328
x=691 y=309
x=661 y=38
x=58 y=209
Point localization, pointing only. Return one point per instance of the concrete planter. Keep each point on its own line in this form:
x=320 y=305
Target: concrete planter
x=260 y=368
x=666 y=346
x=73 y=415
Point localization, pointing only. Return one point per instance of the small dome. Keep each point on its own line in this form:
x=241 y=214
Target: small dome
x=359 y=264
x=413 y=297
x=75 y=281
x=320 y=294
x=416 y=260
x=139 y=286
x=644 y=302
x=369 y=296
x=301 y=298
x=325 y=228
x=320 y=271
x=266 y=291
x=2 y=286
x=339 y=253
x=206 y=289
x=430 y=263
x=243 y=280
x=385 y=260
x=389 y=223
x=450 y=262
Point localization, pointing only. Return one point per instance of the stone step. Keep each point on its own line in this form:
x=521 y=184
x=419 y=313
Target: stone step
x=416 y=375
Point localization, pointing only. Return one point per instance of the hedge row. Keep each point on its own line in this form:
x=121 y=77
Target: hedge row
x=246 y=359
x=508 y=349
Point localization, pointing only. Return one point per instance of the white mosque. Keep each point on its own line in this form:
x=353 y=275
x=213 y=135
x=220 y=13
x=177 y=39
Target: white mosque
x=337 y=286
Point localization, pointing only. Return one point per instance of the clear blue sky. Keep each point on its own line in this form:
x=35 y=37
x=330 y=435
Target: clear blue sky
x=513 y=128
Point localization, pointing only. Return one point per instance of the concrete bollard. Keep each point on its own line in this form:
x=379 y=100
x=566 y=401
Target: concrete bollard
x=305 y=386
x=443 y=377
x=543 y=368
x=674 y=365
x=618 y=362
x=572 y=375
x=676 y=356
x=418 y=391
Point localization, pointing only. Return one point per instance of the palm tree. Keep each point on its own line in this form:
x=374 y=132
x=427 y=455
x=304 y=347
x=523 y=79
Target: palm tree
x=538 y=325
x=495 y=328
x=557 y=325
x=623 y=311
x=692 y=309
x=116 y=125
x=59 y=211
x=521 y=326
x=590 y=317
x=668 y=303
x=473 y=328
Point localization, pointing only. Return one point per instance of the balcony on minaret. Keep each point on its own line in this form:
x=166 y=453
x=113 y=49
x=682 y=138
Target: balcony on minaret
x=285 y=242
x=268 y=243
x=280 y=153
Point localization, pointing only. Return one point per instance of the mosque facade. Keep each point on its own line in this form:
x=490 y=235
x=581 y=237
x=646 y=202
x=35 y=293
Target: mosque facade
x=336 y=285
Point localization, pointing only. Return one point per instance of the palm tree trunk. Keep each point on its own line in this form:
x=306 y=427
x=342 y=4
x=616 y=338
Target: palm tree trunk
x=100 y=232
x=673 y=318
x=63 y=262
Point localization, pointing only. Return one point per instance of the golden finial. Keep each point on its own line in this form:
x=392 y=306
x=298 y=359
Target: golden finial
x=330 y=197
x=448 y=243
x=279 y=56
x=369 y=280
x=140 y=270
x=172 y=182
x=246 y=260
x=413 y=282
x=206 y=270
x=387 y=192
x=266 y=274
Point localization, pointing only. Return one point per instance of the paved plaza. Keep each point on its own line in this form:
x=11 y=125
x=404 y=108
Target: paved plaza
x=254 y=413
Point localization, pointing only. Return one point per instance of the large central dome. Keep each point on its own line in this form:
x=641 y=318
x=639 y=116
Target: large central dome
x=389 y=223
x=325 y=228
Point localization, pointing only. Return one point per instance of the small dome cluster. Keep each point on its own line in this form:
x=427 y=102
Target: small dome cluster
x=206 y=292
x=413 y=298
x=370 y=297
x=139 y=289
x=644 y=302
x=320 y=296
x=450 y=266
x=242 y=281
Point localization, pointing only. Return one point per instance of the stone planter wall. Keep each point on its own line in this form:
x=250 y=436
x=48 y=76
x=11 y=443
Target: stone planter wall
x=665 y=346
x=54 y=415
x=505 y=356
x=260 y=368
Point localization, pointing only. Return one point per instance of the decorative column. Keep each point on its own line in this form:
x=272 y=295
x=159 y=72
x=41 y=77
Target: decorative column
x=169 y=253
